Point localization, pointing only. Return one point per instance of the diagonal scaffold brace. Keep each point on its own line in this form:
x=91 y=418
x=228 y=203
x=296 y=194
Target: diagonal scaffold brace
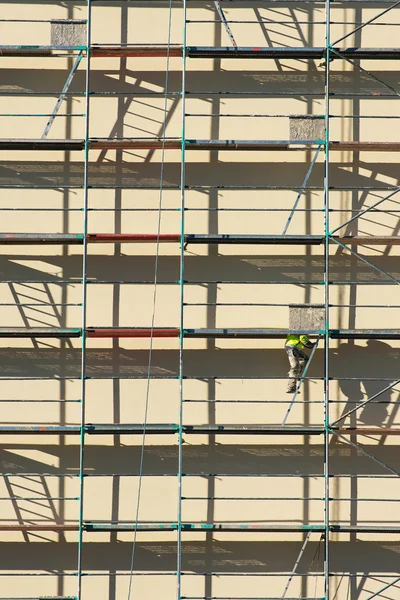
x=222 y=16
x=296 y=564
x=371 y=399
x=367 y=262
x=363 y=212
x=379 y=592
x=63 y=94
x=365 y=452
x=301 y=191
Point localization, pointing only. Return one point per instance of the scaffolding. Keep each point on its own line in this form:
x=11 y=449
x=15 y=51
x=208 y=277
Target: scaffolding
x=341 y=255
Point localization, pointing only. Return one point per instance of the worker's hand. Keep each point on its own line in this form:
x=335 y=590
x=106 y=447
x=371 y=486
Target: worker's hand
x=309 y=344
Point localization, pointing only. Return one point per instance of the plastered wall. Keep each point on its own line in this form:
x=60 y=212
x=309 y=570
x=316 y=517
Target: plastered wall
x=275 y=479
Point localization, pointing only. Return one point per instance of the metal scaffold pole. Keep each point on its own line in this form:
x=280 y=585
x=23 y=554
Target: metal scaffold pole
x=326 y=300
x=84 y=305
x=182 y=301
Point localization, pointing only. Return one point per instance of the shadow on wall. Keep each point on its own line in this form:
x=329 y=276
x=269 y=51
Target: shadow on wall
x=349 y=361
x=198 y=459
x=363 y=363
x=353 y=366
x=227 y=556
x=298 y=82
x=128 y=173
x=266 y=269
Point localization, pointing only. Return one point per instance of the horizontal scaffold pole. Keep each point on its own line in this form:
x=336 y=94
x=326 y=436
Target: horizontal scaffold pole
x=193 y=144
x=173 y=428
x=159 y=429
x=173 y=332
x=103 y=526
x=163 y=50
x=193 y=238
x=366 y=430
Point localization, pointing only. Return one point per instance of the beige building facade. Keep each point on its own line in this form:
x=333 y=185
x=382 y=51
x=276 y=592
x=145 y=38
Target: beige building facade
x=183 y=184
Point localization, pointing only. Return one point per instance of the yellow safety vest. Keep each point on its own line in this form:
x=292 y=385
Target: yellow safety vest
x=297 y=341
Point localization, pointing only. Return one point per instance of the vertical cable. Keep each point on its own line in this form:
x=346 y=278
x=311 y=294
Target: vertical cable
x=326 y=300
x=181 y=297
x=156 y=265
x=84 y=301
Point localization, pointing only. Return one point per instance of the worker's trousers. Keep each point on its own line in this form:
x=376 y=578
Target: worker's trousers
x=297 y=360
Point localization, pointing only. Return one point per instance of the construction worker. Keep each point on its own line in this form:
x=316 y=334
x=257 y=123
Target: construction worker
x=297 y=358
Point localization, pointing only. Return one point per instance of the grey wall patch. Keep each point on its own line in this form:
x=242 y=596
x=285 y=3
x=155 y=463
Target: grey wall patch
x=306 y=128
x=68 y=33
x=306 y=316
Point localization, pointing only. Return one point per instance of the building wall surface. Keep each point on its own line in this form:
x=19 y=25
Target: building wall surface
x=209 y=498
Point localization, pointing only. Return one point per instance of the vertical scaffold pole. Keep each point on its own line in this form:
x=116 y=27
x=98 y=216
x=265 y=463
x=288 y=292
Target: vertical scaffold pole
x=326 y=300
x=84 y=301
x=182 y=299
